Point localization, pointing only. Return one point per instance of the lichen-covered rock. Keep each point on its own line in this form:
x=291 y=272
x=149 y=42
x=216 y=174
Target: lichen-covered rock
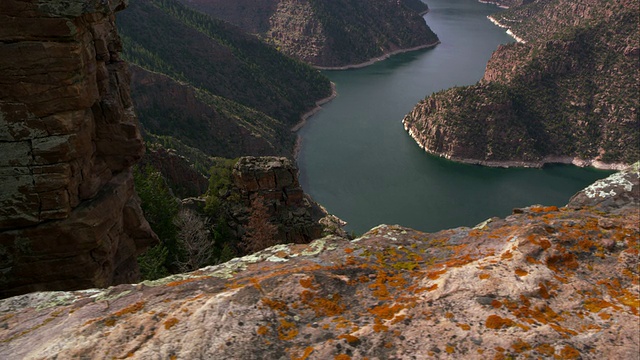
x=545 y=282
x=69 y=217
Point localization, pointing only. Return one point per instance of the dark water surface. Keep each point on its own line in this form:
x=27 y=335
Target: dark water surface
x=357 y=160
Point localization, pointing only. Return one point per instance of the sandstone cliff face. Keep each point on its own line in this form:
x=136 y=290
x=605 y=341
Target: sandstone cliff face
x=328 y=33
x=569 y=94
x=69 y=217
x=275 y=180
x=545 y=282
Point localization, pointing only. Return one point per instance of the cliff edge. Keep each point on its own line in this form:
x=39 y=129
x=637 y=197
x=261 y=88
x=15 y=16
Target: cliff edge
x=69 y=216
x=543 y=282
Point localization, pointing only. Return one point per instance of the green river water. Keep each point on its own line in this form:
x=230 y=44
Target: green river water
x=357 y=160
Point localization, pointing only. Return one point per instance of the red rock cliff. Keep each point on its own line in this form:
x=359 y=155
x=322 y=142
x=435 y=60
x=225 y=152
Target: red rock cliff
x=69 y=216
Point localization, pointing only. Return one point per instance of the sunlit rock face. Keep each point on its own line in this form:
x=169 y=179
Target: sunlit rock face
x=69 y=216
x=544 y=282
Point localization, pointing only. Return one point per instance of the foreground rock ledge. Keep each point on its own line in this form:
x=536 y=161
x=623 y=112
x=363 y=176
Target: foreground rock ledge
x=544 y=282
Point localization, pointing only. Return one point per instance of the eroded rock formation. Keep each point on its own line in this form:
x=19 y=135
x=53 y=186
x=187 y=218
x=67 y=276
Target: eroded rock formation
x=545 y=282
x=275 y=180
x=69 y=216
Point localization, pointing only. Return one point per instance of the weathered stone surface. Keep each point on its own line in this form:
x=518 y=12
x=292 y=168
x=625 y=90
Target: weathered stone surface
x=275 y=179
x=546 y=282
x=68 y=136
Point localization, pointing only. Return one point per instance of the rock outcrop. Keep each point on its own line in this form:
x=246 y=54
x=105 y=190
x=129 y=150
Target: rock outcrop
x=330 y=34
x=567 y=93
x=69 y=216
x=545 y=282
x=274 y=180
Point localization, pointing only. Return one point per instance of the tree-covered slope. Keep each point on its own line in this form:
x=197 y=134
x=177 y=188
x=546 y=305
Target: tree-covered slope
x=570 y=92
x=328 y=33
x=212 y=86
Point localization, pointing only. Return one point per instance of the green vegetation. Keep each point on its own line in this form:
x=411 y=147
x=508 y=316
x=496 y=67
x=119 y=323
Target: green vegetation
x=219 y=59
x=571 y=91
x=189 y=239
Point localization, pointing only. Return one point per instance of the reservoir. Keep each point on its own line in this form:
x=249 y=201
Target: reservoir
x=358 y=162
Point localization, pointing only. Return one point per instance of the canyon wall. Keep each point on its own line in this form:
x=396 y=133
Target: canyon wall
x=325 y=33
x=69 y=216
x=568 y=94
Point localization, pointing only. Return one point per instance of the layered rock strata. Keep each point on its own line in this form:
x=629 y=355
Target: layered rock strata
x=568 y=92
x=545 y=282
x=69 y=216
x=275 y=181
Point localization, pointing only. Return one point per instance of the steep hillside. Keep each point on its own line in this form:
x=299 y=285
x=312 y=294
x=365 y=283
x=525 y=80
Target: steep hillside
x=328 y=33
x=569 y=93
x=546 y=282
x=210 y=85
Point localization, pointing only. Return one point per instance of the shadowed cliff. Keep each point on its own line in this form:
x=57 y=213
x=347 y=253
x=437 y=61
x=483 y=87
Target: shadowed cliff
x=69 y=216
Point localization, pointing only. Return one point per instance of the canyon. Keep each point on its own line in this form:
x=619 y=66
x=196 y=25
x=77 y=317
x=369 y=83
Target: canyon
x=544 y=281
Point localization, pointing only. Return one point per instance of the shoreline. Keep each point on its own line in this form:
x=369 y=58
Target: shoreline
x=382 y=57
x=304 y=117
x=547 y=160
x=509 y=32
x=493 y=3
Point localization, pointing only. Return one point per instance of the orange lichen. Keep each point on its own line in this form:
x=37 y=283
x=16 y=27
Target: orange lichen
x=256 y=283
x=287 y=330
x=520 y=346
x=565 y=332
x=564 y=260
x=545 y=349
x=378 y=326
x=542 y=290
x=448 y=315
x=484 y=276
x=350 y=338
x=275 y=304
x=595 y=305
x=307 y=352
x=170 y=323
x=521 y=272
x=506 y=255
x=131 y=309
x=432 y=287
x=449 y=349
x=308 y=283
x=262 y=330
x=465 y=327
x=604 y=316
x=568 y=353
x=342 y=357
x=348 y=250
x=496 y=304
x=323 y=306
x=497 y=322
x=436 y=274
